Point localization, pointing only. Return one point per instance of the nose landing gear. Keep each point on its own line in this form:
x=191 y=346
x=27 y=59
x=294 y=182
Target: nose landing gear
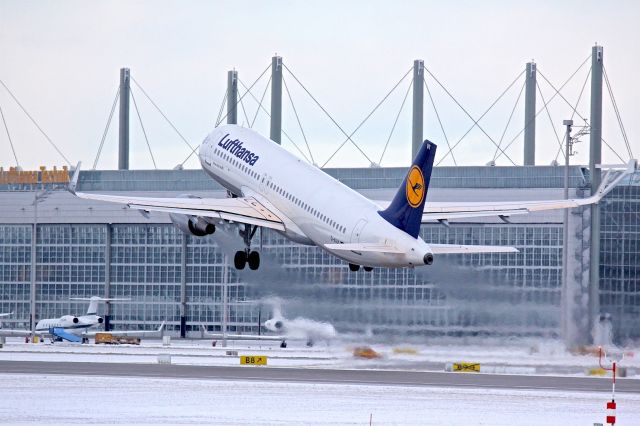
x=247 y=255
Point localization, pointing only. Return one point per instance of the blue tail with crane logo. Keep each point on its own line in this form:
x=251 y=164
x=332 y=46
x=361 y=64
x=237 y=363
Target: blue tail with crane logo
x=405 y=211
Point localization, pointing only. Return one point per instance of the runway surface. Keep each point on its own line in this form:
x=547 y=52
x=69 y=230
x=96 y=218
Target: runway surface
x=317 y=375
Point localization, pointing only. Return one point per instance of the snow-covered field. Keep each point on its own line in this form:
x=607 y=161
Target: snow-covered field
x=111 y=400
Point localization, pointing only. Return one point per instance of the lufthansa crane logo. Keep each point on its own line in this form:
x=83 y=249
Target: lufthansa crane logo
x=415 y=187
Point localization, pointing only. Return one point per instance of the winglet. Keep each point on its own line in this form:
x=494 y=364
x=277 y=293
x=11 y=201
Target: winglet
x=610 y=180
x=73 y=183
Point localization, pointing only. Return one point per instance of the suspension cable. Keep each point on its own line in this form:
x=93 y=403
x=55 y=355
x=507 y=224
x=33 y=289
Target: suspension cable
x=106 y=128
x=546 y=107
x=144 y=132
x=573 y=113
x=224 y=100
x=513 y=110
x=244 y=111
x=220 y=119
x=617 y=111
x=433 y=104
x=261 y=99
x=562 y=97
x=35 y=123
x=613 y=150
x=332 y=119
x=406 y=95
x=475 y=122
x=546 y=103
x=295 y=111
x=6 y=128
x=365 y=120
x=269 y=115
x=162 y=113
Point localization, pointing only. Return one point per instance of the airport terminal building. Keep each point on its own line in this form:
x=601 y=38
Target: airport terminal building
x=54 y=246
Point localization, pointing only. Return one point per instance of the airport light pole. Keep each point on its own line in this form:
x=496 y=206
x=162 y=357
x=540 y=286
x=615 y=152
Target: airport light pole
x=564 y=296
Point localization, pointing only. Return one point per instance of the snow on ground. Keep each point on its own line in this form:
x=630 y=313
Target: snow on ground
x=545 y=357
x=49 y=400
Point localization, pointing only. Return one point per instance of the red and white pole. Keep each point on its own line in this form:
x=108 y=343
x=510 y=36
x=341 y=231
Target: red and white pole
x=611 y=406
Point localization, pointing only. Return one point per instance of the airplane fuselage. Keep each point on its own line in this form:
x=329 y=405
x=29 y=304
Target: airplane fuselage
x=317 y=208
x=70 y=324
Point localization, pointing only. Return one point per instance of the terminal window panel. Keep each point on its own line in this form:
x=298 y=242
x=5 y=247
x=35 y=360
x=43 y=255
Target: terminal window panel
x=620 y=258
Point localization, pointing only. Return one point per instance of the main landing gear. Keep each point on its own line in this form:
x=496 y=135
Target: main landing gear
x=245 y=256
x=354 y=268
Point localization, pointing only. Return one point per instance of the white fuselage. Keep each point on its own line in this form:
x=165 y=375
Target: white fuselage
x=70 y=324
x=301 y=328
x=317 y=209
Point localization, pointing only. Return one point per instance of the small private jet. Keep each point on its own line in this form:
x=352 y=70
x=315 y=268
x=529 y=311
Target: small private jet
x=271 y=188
x=76 y=328
x=285 y=329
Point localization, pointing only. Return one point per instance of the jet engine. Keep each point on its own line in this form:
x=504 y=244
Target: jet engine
x=76 y=320
x=100 y=320
x=274 y=324
x=192 y=225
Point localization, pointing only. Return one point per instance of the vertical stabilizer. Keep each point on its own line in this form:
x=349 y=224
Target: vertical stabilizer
x=93 y=305
x=405 y=211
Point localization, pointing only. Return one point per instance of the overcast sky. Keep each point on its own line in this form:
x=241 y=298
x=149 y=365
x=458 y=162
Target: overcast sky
x=62 y=59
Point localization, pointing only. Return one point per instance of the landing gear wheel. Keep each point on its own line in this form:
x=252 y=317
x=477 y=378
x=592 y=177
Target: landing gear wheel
x=368 y=268
x=254 y=260
x=240 y=260
x=354 y=268
x=283 y=344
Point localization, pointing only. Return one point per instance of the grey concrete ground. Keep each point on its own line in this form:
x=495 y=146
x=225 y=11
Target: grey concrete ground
x=310 y=375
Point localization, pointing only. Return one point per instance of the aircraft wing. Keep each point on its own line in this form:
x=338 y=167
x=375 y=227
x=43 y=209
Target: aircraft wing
x=7 y=332
x=240 y=336
x=443 y=211
x=131 y=333
x=243 y=210
x=456 y=210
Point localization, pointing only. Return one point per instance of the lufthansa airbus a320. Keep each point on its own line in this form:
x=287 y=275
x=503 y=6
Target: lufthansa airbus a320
x=271 y=188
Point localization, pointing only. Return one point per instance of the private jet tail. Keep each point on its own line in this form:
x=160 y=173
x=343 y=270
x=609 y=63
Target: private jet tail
x=405 y=211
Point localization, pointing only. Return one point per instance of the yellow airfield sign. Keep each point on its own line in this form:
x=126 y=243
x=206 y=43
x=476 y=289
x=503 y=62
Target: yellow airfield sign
x=253 y=360
x=466 y=367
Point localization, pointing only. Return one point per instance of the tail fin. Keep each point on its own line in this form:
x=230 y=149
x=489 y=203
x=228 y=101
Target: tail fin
x=93 y=305
x=405 y=211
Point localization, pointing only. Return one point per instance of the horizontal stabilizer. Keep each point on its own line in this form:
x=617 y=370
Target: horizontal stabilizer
x=368 y=247
x=456 y=248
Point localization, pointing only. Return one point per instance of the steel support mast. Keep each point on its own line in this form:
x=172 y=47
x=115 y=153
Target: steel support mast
x=276 y=100
x=530 y=115
x=123 y=135
x=418 y=107
x=232 y=97
x=595 y=159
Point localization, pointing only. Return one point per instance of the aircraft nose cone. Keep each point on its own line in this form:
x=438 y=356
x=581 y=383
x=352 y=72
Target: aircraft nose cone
x=428 y=259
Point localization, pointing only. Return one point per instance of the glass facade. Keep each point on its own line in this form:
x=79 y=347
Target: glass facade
x=15 y=272
x=158 y=267
x=620 y=258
